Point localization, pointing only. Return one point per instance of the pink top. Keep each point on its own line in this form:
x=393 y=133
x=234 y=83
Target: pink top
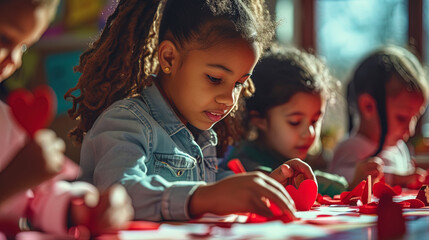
x=396 y=159
x=49 y=202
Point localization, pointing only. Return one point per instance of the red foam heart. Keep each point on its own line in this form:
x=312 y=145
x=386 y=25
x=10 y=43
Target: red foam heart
x=305 y=196
x=33 y=111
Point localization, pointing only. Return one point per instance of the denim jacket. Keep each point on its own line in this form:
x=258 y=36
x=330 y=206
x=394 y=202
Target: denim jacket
x=141 y=143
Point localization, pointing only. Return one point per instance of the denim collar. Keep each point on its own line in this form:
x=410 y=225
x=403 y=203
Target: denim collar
x=164 y=114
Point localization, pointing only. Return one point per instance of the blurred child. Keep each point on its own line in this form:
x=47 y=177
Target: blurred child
x=31 y=163
x=158 y=141
x=284 y=116
x=386 y=96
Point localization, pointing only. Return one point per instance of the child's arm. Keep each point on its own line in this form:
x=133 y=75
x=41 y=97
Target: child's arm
x=62 y=205
x=413 y=180
x=39 y=160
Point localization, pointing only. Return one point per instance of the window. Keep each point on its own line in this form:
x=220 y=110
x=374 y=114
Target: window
x=285 y=17
x=348 y=30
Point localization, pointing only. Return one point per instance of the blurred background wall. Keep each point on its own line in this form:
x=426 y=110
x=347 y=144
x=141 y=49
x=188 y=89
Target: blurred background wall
x=341 y=31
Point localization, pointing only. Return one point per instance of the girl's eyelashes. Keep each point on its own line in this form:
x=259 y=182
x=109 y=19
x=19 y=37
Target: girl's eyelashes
x=213 y=79
x=293 y=123
x=219 y=80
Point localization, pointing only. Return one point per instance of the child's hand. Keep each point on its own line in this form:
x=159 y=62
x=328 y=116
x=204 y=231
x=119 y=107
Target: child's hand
x=293 y=172
x=103 y=213
x=372 y=166
x=239 y=194
x=416 y=180
x=39 y=160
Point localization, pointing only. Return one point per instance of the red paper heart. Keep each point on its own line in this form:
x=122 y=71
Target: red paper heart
x=356 y=192
x=33 y=111
x=305 y=196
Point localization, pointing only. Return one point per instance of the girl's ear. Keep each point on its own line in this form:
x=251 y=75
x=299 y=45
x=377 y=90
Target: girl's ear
x=167 y=56
x=258 y=121
x=367 y=105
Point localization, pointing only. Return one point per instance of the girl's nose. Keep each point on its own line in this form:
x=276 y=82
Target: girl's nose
x=411 y=127
x=227 y=97
x=309 y=132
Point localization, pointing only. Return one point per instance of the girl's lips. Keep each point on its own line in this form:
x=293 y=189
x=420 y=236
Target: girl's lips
x=213 y=116
x=302 y=148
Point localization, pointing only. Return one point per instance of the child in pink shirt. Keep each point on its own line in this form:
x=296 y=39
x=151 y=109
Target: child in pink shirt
x=32 y=196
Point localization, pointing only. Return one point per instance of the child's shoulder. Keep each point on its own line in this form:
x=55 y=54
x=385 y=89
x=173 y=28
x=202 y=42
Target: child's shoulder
x=123 y=113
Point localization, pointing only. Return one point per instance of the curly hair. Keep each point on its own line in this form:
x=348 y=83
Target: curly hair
x=119 y=64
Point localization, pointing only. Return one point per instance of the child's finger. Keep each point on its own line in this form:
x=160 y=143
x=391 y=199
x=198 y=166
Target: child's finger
x=282 y=173
x=277 y=195
x=278 y=186
x=260 y=207
x=301 y=167
x=118 y=195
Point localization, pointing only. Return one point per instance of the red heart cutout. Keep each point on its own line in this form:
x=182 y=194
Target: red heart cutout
x=33 y=111
x=305 y=196
x=356 y=192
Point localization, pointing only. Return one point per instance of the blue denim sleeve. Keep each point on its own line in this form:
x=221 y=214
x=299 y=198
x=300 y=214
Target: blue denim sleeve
x=222 y=173
x=116 y=150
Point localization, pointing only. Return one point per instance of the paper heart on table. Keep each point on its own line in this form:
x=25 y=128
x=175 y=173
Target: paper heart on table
x=305 y=196
x=356 y=192
x=33 y=110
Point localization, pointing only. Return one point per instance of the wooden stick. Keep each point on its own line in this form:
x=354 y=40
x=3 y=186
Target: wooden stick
x=369 y=188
